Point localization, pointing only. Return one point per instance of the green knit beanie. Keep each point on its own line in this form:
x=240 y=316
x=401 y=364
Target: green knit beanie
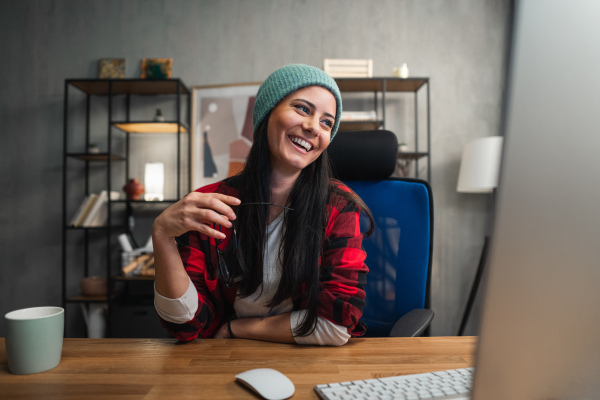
x=288 y=79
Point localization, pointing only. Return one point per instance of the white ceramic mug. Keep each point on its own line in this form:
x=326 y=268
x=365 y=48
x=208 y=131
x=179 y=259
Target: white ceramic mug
x=34 y=339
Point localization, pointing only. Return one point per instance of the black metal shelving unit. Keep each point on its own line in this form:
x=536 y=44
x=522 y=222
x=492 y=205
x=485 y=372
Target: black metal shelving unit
x=380 y=87
x=112 y=89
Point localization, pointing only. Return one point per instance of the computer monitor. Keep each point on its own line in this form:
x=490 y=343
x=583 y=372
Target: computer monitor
x=540 y=325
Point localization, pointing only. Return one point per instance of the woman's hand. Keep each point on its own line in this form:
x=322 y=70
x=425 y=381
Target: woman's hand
x=196 y=212
x=222 y=333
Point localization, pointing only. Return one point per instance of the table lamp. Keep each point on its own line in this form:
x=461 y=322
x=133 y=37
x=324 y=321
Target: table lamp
x=479 y=171
x=154 y=180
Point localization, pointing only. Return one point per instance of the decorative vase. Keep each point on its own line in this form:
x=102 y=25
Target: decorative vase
x=133 y=189
x=96 y=320
x=401 y=72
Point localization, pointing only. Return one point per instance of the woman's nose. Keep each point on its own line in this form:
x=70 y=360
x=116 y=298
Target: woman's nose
x=311 y=124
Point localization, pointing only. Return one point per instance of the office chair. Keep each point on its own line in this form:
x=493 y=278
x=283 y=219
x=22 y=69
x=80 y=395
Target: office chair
x=399 y=251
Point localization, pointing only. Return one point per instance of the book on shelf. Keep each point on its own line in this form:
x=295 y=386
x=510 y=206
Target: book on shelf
x=83 y=210
x=99 y=212
x=79 y=211
x=358 y=116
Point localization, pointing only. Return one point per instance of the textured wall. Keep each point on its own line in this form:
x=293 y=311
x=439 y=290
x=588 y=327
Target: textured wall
x=459 y=44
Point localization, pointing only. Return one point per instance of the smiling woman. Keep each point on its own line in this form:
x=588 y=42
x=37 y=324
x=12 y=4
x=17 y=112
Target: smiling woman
x=289 y=265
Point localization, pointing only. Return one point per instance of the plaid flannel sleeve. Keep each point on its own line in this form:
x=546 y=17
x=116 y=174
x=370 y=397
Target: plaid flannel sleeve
x=214 y=302
x=209 y=315
x=343 y=269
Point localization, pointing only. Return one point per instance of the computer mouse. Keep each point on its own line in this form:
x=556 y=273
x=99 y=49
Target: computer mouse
x=267 y=383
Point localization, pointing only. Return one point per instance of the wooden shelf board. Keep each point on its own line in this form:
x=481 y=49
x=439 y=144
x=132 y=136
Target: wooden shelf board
x=80 y=298
x=95 y=156
x=87 y=227
x=376 y=84
x=97 y=228
x=144 y=201
x=129 y=86
x=133 y=278
x=404 y=85
x=360 y=125
x=411 y=156
x=150 y=127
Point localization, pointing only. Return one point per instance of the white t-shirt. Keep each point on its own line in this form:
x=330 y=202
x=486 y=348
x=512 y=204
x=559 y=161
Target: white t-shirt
x=183 y=309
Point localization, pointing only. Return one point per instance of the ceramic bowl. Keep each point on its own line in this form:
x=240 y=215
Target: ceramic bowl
x=93 y=286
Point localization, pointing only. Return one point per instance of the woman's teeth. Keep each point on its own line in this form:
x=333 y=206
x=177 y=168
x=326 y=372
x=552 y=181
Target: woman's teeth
x=307 y=146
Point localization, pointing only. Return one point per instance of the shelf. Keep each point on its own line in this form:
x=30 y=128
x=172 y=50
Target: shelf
x=150 y=127
x=378 y=88
x=129 y=86
x=87 y=227
x=92 y=245
x=80 y=298
x=145 y=201
x=95 y=156
x=133 y=278
x=392 y=84
x=94 y=228
x=411 y=156
x=360 y=125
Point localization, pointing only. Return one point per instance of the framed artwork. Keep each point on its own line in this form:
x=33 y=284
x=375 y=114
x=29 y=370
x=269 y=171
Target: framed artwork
x=221 y=130
x=156 y=68
x=111 y=68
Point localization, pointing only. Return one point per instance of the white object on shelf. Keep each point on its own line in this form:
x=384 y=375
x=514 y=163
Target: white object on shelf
x=128 y=256
x=125 y=243
x=401 y=72
x=348 y=68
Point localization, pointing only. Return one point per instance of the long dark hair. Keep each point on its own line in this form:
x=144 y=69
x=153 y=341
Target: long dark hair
x=304 y=232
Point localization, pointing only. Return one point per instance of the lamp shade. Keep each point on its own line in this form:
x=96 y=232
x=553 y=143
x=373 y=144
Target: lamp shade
x=480 y=165
x=154 y=181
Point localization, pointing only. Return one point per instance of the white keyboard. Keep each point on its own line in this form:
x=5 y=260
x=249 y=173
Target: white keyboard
x=450 y=384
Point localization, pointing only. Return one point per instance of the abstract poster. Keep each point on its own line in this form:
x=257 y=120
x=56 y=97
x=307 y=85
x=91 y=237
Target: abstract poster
x=221 y=131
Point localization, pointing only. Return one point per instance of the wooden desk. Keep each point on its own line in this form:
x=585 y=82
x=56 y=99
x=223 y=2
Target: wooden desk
x=205 y=369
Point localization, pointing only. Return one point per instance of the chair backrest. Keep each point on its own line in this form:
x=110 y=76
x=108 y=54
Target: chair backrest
x=399 y=251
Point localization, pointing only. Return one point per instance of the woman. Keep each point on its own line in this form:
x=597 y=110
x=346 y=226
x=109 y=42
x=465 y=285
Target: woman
x=273 y=253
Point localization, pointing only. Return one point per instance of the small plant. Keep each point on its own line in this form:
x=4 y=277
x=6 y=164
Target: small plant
x=93 y=148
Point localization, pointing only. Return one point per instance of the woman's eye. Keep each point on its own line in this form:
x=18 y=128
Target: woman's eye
x=303 y=108
x=328 y=123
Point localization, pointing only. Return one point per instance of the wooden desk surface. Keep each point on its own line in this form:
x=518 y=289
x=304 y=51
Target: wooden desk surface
x=206 y=369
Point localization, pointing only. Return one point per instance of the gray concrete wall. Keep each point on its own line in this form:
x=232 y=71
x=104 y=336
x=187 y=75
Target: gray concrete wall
x=459 y=45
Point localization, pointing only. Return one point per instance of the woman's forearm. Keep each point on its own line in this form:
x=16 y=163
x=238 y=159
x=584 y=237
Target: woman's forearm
x=171 y=279
x=271 y=329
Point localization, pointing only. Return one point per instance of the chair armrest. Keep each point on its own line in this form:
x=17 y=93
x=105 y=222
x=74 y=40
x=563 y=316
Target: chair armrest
x=413 y=323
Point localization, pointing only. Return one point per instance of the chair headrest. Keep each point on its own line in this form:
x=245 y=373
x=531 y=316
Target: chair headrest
x=363 y=155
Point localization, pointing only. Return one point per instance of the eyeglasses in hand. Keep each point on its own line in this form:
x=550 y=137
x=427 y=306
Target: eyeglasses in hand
x=223 y=270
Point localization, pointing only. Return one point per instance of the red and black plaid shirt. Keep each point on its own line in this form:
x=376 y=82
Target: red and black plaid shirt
x=343 y=273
